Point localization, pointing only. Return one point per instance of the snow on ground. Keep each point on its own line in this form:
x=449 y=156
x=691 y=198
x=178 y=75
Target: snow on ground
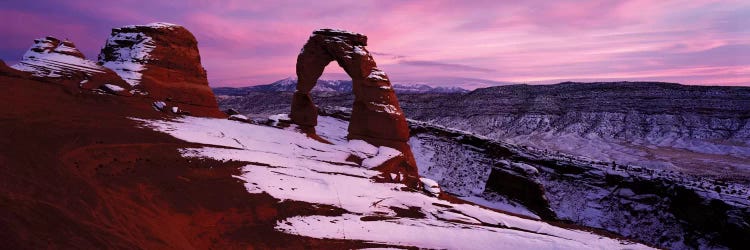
x=289 y=166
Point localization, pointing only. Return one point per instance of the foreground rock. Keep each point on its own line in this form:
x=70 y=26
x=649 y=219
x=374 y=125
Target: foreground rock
x=376 y=116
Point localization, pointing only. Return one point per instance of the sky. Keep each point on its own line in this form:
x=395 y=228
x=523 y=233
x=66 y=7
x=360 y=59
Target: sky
x=445 y=43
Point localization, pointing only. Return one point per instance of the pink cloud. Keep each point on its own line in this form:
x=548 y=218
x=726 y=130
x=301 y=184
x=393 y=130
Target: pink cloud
x=257 y=42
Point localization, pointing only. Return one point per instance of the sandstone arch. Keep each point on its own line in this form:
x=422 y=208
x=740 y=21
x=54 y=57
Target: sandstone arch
x=376 y=115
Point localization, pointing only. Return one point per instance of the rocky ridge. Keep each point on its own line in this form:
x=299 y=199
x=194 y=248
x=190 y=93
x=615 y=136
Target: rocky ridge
x=701 y=130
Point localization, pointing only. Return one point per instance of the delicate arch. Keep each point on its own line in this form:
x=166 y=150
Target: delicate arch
x=376 y=115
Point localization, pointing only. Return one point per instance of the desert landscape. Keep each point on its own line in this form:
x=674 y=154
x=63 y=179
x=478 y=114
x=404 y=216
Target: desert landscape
x=147 y=146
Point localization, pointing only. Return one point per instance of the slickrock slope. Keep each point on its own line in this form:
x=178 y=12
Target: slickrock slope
x=161 y=60
x=76 y=172
x=376 y=116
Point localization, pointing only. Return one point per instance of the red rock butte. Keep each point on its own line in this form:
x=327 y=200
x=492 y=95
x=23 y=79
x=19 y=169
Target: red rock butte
x=170 y=63
x=376 y=117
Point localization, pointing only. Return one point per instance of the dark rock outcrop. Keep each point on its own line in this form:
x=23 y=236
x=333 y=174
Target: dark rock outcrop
x=376 y=115
x=159 y=59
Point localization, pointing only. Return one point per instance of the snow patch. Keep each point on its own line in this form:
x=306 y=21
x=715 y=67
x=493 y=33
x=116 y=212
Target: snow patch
x=388 y=108
x=359 y=50
x=113 y=88
x=238 y=117
x=384 y=154
x=128 y=60
x=377 y=75
x=430 y=186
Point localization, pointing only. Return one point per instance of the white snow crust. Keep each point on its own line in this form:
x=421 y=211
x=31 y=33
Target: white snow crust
x=290 y=166
x=129 y=60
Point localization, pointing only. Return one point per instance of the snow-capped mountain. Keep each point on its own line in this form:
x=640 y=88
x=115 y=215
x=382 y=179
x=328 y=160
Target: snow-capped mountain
x=331 y=86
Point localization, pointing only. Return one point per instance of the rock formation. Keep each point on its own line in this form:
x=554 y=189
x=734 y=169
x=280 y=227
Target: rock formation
x=159 y=59
x=50 y=57
x=376 y=115
x=58 y=60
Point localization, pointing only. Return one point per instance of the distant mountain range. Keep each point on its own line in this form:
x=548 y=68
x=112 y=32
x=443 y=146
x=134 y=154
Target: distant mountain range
x=332 y=86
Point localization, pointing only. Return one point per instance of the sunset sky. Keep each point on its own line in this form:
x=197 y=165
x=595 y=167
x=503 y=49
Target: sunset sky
x=442 y=42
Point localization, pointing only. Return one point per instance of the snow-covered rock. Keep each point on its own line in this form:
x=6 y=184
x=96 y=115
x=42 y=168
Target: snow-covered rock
x=127 y=54
x=239 y=117
x=160 y=59
x=50 y=57
x=430 y=186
